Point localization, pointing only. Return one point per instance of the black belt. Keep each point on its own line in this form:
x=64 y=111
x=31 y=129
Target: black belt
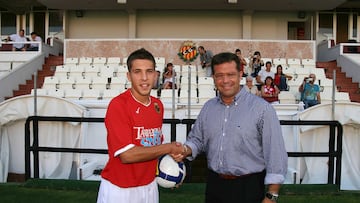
x=233 y=177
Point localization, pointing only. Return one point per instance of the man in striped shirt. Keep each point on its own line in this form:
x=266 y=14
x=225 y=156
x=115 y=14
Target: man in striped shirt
x=241 y=137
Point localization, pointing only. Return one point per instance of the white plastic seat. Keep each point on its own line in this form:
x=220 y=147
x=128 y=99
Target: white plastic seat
x=185 y=70
x=76 y=70
x=62 y=71
x=118 y=83
x=184 y=95
x=85 y=60
x=39 y=92
x=289 y=70
x=73 y=94
x=319 y=72
x=100 y=83
x=166 y=96
x=184 y=84
x=91 y=94
x=99 y=60
x=309 y=63
x=205 y=94
x=67 y=83
x=124 y=60
x=294 y=62
x=92 y=71
x=286 y=97
x=110 y=93
x=279 y=61
x=55 y=93
x=154 y=93
x=342 y=97
x=122 y=70
x=50 y=82
x=113 y=60
x=71 y=60
x=82 y=83
x=5 y=66
x=107 y=71
x=206 y=82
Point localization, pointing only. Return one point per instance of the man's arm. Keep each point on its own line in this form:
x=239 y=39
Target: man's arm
x=141 y=154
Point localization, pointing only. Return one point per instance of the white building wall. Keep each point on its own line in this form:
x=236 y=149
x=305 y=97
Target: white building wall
x=181 y=24
x=98 y=24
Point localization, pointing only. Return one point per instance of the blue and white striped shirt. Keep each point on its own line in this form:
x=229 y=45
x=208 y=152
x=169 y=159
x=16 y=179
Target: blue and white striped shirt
x=241 y=138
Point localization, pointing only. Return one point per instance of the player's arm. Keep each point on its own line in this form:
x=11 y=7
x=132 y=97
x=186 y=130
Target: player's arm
x=141 y=154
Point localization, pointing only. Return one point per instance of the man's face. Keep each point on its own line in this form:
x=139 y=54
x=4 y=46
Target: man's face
x=142 y=77
x=21 y=33
x=227 y=80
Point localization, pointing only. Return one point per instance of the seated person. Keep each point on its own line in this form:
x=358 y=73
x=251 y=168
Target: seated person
x=280 y=79
x=18 y=38
x=156 y=84
x=310 y=92
x=269 y=91
x=256 y=63
x=243 y=62
x=263 y=74
x=168 y=77
x=34 y=46
x=250 y=87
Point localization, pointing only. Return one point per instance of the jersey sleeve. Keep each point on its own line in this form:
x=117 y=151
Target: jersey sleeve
x=118 y=125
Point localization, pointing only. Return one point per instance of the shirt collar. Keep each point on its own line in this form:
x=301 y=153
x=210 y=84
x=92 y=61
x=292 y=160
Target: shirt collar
x=237 y=97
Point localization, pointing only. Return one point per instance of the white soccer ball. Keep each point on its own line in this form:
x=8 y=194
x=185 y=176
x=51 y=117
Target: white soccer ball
x=169 y=173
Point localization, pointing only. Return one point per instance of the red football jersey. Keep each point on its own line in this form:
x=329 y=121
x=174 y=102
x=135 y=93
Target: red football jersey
x=128 y=123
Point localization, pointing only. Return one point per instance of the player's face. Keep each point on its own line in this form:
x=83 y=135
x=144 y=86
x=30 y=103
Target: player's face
x=227 y=80
x=142 y=76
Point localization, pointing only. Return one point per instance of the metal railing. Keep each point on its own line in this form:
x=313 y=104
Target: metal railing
x=334 y=152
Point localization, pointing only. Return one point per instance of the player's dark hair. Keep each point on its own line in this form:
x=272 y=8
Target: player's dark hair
x=139 y=54
x=223 y=58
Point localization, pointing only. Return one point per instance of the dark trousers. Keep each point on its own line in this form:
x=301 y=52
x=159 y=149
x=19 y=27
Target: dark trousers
x=247 y=189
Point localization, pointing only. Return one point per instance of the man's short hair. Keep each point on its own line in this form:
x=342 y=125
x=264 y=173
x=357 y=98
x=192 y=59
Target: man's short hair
x=223 y=58
x=139 y=54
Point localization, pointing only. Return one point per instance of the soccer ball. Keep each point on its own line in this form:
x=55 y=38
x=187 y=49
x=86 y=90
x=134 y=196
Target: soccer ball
x=169 y=173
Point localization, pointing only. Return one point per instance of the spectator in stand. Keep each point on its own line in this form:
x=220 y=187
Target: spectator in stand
x=269 y=91
x=250 y=87
x=205 y=59
x=256 y=63
x=280 y=79
x=310 y=92
x=263 y=74
x=34 y=46
x=18 y=38
x=169 y=76
x=243 y=62
x=157 y=84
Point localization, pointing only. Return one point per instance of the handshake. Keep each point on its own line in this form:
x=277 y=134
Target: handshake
x=179 y=151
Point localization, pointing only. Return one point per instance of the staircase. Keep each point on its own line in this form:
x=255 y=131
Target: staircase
x=48 y=69
x=343 y=83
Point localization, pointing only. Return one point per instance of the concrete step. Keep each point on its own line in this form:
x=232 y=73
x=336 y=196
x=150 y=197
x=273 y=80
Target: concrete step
x=355 y=97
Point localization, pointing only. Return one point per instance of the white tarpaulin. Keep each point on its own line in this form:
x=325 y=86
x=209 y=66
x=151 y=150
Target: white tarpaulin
x=13 y=114
x=316 y=139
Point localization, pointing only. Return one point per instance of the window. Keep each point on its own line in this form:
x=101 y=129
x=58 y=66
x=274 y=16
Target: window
x=55 y=22
x=354 y=26
x=8 y=23
x=326 y=24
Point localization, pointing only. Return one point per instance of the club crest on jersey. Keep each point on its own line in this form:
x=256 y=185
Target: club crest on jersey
x=157 y=107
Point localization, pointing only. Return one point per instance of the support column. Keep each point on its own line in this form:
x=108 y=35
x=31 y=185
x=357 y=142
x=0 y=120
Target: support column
x=247 y=24
x=132 y=24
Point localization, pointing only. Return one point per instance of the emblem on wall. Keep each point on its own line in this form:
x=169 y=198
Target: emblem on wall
x=188 y=51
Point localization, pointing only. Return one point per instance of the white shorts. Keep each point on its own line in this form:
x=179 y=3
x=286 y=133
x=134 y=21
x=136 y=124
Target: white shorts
x=110 y=193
